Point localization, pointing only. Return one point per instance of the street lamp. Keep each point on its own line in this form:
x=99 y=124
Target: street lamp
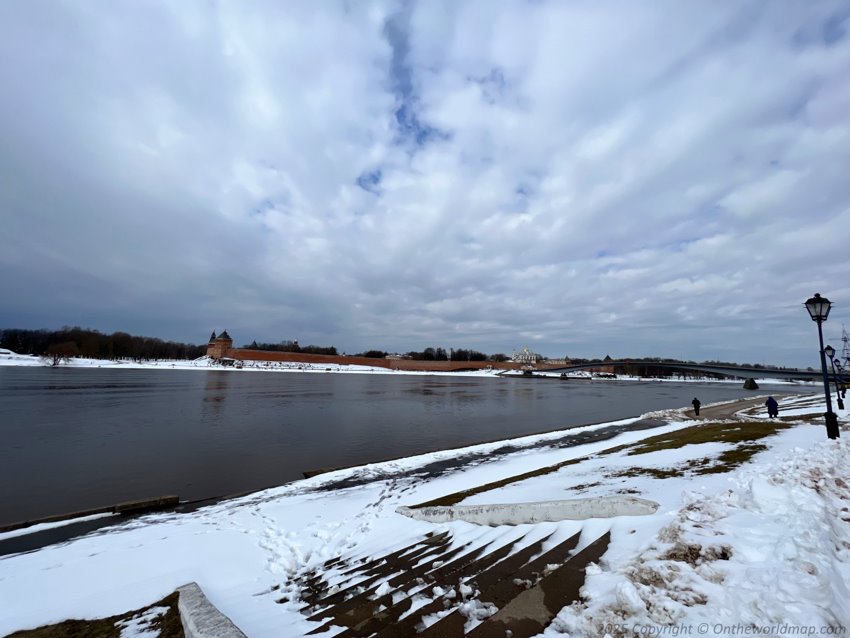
x=818 y=308
x=830 y=352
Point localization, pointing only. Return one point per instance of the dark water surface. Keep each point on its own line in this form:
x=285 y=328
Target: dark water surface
x=81 y=438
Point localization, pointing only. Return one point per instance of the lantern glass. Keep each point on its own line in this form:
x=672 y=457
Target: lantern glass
x=818 y=307
x=829 y=351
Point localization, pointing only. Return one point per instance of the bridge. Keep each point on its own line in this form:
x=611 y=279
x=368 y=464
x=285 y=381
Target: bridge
x=738 y=372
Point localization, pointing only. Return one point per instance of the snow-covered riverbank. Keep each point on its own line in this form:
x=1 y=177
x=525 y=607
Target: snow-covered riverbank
x=767 y=543
x=8 y=358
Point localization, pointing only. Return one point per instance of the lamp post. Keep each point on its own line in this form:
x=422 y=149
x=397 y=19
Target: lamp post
x=830 y=352
x=819 y=308
x=841 y=374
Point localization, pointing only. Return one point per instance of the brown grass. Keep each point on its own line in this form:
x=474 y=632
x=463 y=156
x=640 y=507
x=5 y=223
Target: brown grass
x=732 y=432
x=168 y=625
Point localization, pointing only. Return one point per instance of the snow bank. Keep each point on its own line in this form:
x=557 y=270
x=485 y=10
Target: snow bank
x=772 y=551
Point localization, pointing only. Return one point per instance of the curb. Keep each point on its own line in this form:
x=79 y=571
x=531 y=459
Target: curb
x=202 y=619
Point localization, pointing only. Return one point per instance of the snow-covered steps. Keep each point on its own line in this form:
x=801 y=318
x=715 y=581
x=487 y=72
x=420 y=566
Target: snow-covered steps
x=438 y=588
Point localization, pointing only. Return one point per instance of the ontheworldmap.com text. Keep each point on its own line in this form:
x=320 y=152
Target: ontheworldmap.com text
x=723 y=629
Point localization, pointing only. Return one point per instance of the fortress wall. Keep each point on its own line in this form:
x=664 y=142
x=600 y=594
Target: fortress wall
x=298 y=357
x=449 y=366
x=393 y=364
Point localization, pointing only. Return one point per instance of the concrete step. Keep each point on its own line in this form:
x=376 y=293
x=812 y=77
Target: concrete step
x=448 y=575
x=531 y=611
x=502 y=583
x=391 y=596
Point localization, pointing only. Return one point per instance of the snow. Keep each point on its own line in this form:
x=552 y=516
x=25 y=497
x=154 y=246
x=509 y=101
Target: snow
x=139 y=626
x=40 y=527
x=9 y=358
x=766 y=544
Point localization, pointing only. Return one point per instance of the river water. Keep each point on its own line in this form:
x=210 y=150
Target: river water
x=82 y=438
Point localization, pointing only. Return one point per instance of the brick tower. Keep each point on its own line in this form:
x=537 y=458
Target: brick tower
x=219 y=346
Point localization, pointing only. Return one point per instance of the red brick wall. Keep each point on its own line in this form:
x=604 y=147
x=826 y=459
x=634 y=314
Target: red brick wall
x=393 y=364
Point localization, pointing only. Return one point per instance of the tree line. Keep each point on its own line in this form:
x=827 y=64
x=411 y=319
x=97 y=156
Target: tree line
x=291 y=346
x=439 y=354
x=93 y=344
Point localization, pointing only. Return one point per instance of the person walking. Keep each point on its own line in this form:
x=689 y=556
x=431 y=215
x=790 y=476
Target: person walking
x=772 y=407
x=696 y=405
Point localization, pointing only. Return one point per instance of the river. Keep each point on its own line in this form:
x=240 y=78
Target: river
x=84 y=438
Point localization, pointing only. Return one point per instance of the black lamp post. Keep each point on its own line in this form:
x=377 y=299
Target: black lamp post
x=841 y=374
x=818 y=308
x=830 y=352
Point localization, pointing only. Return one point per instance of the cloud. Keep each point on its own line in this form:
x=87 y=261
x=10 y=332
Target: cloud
x=618 y=178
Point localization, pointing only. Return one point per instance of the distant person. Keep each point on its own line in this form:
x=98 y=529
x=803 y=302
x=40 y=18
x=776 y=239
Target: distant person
x=696 y=405
x=772 y=407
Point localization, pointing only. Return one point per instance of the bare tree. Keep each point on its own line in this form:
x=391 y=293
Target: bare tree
x=61 y=352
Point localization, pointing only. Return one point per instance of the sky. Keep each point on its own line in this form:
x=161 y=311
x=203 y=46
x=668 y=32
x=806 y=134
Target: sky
x=581 y=178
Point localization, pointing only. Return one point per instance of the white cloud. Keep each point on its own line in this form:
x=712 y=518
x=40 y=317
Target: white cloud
x=607 y=178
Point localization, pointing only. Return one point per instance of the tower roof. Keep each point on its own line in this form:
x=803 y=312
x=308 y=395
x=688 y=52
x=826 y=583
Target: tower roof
x=212 y=336
x=224 y=335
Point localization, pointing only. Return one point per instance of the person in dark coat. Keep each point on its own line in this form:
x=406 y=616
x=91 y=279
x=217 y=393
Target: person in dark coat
x=696 y=405
x=772 y=407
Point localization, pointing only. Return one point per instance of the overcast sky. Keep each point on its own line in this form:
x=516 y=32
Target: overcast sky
x=583 y=178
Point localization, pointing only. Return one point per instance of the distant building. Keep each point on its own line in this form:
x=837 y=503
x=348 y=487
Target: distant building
x=526 y=357
x=219 y=346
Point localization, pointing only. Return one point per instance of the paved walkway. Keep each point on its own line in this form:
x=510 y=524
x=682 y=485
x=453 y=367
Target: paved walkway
x=726 y=410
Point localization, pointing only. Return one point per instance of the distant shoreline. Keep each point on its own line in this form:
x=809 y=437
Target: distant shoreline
x=11 y=359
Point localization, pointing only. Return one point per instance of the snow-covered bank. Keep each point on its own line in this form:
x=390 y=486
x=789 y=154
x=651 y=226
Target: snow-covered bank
x=715 y=549
x=9 y=358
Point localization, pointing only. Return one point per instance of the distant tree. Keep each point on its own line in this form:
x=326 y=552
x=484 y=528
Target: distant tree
x=373 y=354
x=441 y=355
x=94 y=344
x=499 y=357
x=61 y=352
x=319 y=350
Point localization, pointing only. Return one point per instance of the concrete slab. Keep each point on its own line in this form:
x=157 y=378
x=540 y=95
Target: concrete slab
x=543 y=511
x=200 y=618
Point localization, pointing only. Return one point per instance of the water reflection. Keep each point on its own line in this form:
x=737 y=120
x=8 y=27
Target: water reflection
x=215 y=393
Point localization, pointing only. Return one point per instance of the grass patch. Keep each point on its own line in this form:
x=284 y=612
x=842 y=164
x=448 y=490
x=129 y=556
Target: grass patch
x=583 y=487
x=168 y=625
x=729 y=432
x=725 y=462
x=730 y=459
x=732 y=432
x=457 y=497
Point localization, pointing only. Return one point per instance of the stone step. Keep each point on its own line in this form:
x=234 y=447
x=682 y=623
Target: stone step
x=362 y=606
x=531 y=611
x=388 y=623
x=502 y=582
x=527 y=593
x=396 y=569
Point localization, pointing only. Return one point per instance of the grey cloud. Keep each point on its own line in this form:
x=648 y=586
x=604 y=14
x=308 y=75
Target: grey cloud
x=665 y=179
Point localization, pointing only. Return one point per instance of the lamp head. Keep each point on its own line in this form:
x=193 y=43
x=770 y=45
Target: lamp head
x=829 y=351
x=818 y=307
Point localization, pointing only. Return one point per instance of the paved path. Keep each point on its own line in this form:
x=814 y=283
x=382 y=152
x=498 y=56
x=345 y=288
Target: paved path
x=726 y=410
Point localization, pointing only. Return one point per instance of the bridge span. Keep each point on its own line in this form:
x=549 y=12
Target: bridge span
x=738 y=372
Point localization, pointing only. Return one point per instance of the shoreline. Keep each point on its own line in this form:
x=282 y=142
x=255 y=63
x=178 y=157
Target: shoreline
x=95 y=518
x=205 y=364
x=252 y=555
